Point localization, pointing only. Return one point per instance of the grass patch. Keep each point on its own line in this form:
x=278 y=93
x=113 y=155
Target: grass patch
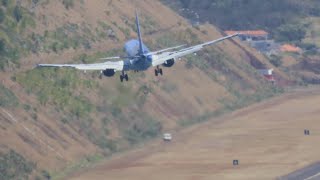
x=7 y=97
x=14 y=166
x=83 y=163
x=228 y=105
x=15 y=20
x=58 y=87
x=143 y=128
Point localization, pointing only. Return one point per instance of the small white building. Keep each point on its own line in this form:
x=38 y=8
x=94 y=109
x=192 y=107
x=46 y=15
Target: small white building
x=267 y=73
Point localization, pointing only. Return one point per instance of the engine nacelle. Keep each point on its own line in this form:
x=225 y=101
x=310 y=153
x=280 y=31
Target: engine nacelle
x=109 y=72
x=168 y=63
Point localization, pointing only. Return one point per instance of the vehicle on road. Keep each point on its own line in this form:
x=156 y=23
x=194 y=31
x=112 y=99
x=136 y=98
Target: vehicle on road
x=167 y=137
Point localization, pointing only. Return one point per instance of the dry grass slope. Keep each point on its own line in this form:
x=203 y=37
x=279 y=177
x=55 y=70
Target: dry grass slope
x=63 y=116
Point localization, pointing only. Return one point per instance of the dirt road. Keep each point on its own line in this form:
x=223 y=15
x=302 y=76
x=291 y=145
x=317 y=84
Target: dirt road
x=268 y=140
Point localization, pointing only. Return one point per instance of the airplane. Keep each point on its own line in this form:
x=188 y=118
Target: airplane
x=139 y=58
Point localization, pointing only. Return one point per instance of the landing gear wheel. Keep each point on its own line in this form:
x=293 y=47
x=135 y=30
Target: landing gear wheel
x=160 y=71
x=100 y=76
x=156 y=72
x=126 y=77
x=121 y=78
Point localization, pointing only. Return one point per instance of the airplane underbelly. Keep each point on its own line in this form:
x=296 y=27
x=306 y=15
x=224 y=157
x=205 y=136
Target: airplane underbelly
x=141 y=66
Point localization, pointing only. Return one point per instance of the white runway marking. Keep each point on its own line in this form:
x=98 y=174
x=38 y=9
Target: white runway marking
x=33 y=134
x=312 y=176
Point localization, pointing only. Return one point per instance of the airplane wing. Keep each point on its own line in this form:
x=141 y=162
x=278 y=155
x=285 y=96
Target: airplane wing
x=117 y=66
x=164 y=50
x=162 y=58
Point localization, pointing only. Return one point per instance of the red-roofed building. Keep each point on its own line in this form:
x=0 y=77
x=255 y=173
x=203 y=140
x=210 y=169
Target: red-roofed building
x=290 y=48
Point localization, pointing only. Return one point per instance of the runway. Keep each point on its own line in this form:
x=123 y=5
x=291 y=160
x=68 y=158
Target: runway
x=311 y=172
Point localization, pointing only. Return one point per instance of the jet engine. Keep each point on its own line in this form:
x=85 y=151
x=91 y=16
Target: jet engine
x=109 y=72
x=168 y=63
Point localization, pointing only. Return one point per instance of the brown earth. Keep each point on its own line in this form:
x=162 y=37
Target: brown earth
x=53 y=145
x=266 y=138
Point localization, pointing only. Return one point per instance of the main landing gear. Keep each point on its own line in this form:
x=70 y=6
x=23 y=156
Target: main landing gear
x=158 y=71
x=124 y=76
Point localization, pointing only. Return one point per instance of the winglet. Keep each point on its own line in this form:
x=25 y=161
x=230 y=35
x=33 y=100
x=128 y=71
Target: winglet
x=139 y=35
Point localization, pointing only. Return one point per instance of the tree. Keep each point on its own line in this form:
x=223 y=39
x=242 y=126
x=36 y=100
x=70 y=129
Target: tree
x=5 y=2
x=2 y=15
x=275 y=60
x=17 y=13
x=2 y=46
x=291 y=32
x=68 y=3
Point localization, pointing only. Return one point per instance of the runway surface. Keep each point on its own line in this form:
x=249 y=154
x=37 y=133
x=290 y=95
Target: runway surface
x=311 y=172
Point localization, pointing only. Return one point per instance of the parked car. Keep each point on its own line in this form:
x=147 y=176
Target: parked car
x=167 y=137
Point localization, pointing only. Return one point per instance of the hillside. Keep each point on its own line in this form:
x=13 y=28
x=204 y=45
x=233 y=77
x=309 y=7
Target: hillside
x=288 y=21
x=284 y=19
x=55 y=119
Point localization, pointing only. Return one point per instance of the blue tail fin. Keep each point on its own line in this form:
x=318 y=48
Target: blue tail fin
x=139 y=35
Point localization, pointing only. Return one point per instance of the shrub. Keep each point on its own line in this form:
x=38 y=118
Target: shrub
x=2 y=46
x=26 y=107
x=15 y=166
x=145 y=129
x=7 y=98
x=17 y=13
x=290 y=32
x=68 y=3
x=46 y=174
x=275 y=60
x=5 y=3
x=2 y=15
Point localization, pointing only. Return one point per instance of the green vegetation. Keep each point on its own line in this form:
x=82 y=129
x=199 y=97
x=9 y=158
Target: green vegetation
x=230 y=14
x=65 y=37
x=278 y=17
x=5 y=3
x=7 y=98
x=46 y=175
x=291 y=32
x=148 y=24
x=14 y=20
x=57 y=86
x=70 y=36
x=14 y=166
x=68 y=3
x=275 y=60
x=105 y=31
x=17 y=13
x=85 y=162
x=141 y=129
x=241 y=100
